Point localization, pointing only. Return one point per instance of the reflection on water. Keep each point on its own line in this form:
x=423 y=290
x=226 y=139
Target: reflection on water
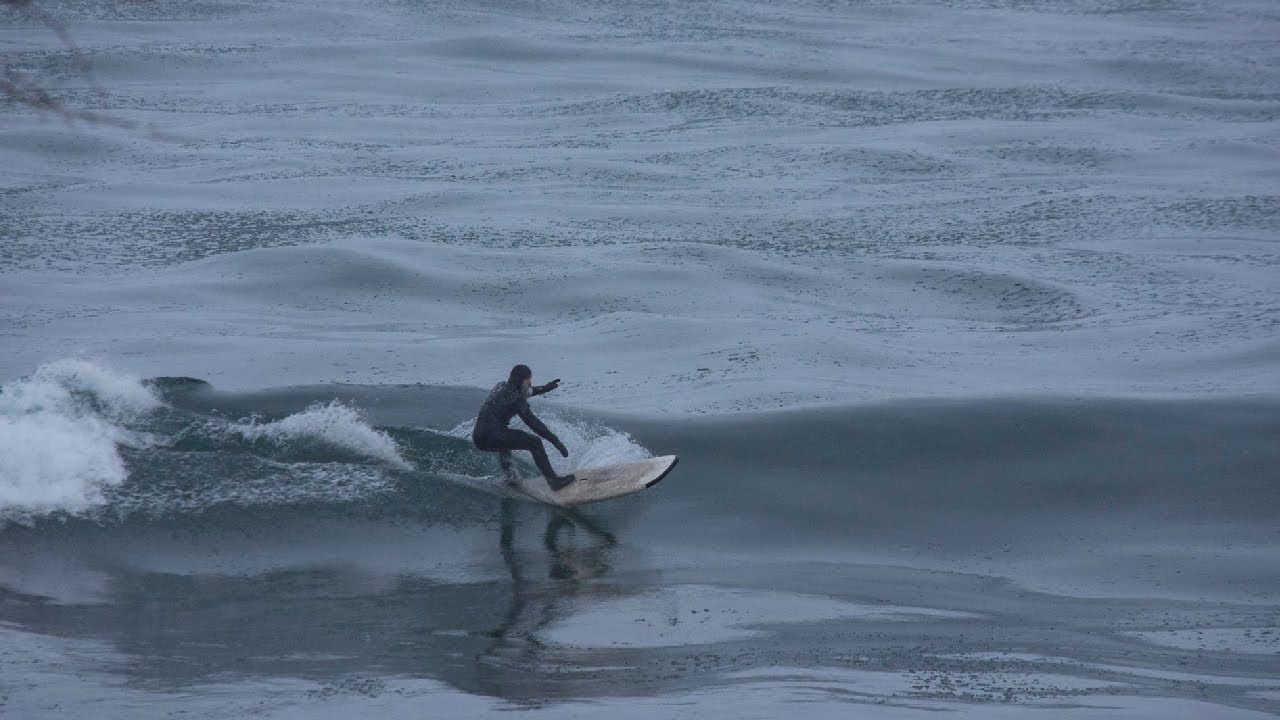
x=534 y=605
x=545 y=588
x=476 y=623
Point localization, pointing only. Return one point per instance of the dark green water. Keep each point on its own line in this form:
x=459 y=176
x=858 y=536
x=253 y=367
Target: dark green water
x=988 y=551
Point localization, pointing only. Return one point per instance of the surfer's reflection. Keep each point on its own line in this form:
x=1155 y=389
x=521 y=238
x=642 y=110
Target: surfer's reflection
x=545 y=588
x=577 y=563
x=568 y=558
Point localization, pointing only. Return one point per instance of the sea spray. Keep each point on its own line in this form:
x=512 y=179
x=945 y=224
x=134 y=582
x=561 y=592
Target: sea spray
x=61 y=430
x=335 y=424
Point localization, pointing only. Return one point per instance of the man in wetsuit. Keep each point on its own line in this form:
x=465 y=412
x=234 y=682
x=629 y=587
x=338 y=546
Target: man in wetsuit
x=505 y=401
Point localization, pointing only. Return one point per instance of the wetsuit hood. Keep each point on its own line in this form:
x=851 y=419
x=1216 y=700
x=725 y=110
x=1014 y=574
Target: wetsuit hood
x=519 y=374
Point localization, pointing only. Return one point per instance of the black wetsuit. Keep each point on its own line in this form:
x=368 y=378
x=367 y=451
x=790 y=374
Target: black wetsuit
x=491 y=433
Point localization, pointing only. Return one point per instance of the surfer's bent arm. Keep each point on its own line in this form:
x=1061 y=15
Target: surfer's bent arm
x=536 y=425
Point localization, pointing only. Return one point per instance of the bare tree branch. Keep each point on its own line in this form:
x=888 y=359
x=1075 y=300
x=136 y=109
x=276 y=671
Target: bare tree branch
x=24 y=91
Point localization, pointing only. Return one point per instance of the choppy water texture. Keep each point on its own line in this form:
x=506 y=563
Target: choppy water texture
x=962 y=317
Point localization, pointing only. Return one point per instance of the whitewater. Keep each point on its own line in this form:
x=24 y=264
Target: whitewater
x=963 y=317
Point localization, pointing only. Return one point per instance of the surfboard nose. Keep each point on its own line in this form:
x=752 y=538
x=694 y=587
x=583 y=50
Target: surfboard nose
x=675 y=460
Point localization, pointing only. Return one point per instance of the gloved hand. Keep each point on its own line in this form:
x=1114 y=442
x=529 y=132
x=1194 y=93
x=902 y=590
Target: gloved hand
x=564 y=451
x=541 y=389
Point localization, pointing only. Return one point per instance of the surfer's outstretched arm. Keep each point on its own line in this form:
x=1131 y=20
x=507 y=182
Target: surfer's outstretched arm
x=544 y=389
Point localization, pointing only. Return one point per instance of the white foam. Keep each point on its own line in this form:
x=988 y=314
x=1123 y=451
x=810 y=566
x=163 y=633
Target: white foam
x=592 y=444
x=60 y=433
x=336 y=424
x=62 y=428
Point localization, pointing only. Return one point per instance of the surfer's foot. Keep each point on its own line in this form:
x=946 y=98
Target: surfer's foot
x=560 y=482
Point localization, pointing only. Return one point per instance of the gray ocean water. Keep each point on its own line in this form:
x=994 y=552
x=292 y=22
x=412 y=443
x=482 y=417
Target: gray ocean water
x=963 y=318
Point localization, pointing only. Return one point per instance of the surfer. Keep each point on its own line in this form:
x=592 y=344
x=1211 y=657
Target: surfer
x=505 y=401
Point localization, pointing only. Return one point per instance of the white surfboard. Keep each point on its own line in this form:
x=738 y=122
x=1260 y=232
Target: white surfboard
x=602 y=483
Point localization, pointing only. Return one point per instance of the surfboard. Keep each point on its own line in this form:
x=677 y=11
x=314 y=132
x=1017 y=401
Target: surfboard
x=601 y=483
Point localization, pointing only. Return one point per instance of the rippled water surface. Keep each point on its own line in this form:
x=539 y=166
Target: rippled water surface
x=962 y=317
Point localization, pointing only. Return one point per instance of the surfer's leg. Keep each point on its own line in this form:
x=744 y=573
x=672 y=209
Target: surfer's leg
x=502 y=444
x=557 y=482
x=520 y=440
x=533 y=444
x=508 y=471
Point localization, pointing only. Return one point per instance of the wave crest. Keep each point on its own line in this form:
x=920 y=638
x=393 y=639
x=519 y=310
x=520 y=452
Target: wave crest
x=336 y=424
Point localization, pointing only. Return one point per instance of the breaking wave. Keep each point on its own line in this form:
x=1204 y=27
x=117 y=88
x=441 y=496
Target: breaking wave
x=77 y=439
x=81 y=440
x=61 y=433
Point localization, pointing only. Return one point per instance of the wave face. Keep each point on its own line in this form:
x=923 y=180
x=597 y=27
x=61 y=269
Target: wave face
x=983 y=550
x=83 y=441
